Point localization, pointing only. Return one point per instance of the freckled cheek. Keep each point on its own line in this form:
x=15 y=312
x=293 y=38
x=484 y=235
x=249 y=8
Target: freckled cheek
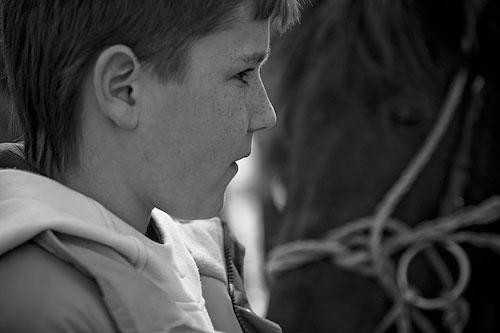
x=222 y=118
x=236 y=123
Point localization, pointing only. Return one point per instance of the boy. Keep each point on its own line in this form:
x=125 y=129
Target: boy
x=127 y=105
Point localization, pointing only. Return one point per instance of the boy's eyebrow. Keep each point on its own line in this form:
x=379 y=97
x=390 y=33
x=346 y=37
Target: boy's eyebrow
x=255 y=58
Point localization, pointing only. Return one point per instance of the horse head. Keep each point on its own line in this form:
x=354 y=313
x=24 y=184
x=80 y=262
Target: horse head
x=360 y=85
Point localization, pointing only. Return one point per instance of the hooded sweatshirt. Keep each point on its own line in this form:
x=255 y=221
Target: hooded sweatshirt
x=125 y=264
x=68 y=264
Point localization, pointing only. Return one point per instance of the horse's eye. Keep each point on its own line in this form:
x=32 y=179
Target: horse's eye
x=406 y=116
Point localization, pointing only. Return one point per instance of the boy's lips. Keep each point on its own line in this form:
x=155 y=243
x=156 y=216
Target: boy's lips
x=233 y=169
x=245 y=155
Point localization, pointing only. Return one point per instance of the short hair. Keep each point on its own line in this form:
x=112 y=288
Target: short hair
x=49 y=45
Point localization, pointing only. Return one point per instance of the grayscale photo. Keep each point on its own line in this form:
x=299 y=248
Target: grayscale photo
x=250 y=166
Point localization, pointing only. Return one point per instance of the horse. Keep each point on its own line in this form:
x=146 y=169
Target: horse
x=5 y=127
x=358 y=87
x=7 y=130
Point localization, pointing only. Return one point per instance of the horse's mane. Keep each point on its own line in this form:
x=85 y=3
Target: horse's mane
x=390 y=40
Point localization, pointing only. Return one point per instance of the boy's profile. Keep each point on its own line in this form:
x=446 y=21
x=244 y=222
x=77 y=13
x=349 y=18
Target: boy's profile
x=126 y=106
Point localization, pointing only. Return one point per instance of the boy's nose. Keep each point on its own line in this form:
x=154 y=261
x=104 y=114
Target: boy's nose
x=263 y=115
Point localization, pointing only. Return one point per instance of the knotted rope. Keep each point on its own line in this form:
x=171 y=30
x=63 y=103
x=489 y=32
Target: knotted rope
x=367 y=244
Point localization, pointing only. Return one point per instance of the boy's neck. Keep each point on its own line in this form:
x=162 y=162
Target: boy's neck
x=113 y=194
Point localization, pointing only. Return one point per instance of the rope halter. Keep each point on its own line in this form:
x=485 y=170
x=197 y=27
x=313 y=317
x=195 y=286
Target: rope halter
x=367 y=244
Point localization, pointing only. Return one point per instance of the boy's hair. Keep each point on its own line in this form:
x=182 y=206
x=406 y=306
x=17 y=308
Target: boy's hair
x=49 y=46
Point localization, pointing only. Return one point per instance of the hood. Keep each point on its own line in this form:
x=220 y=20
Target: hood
x=31 y=204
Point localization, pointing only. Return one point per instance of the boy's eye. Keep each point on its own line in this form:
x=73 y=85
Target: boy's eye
x=243 y=75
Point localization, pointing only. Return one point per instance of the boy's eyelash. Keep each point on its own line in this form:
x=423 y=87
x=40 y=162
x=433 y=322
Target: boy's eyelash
x=243 y=74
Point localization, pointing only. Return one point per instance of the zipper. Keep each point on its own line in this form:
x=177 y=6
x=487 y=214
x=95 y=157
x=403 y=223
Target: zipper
x=230 y=277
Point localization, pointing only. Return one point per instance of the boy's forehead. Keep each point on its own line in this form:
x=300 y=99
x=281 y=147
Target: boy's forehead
x=244 y=41
x=248 y=48
x=256 y=57
x=254 y=34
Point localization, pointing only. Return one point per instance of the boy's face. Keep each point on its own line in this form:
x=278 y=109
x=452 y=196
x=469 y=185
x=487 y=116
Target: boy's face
x=194 y=131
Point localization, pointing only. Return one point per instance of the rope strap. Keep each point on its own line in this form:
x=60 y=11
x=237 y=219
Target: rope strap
x=348 y=248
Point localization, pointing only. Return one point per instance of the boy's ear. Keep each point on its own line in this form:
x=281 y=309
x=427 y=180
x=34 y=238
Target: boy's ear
x=116 y=87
